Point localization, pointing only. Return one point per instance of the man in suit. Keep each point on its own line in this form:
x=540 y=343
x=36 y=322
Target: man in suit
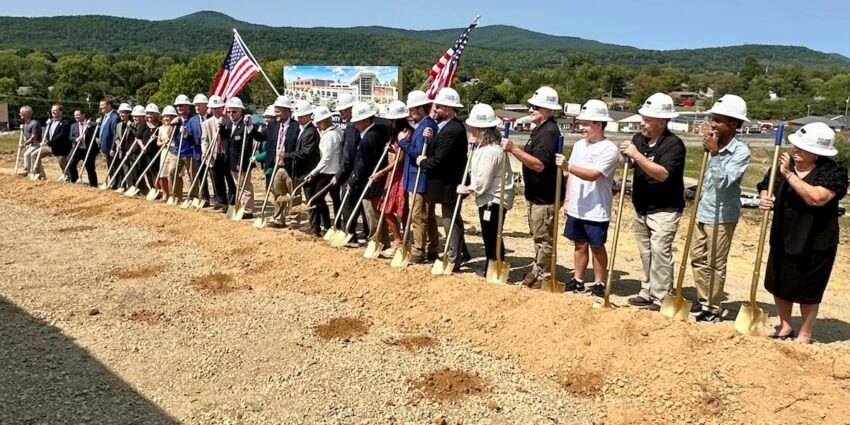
x=280 y=133
x=445 y=166
x=201 y=104
x=306 y=156
x=234 y=134
x=224 y=187
x=373 y=142
x=107 y=130
x=82 y=134
x=57 y=143
x=350 y=140
x=125 y=132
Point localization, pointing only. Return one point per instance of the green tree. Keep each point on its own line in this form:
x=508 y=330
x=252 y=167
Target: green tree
x=750 y=69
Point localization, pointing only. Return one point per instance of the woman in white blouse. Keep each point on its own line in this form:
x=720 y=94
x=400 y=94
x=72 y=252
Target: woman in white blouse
x=330 y=146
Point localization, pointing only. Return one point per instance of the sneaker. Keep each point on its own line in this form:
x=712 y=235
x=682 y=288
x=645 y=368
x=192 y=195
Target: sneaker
x=433 y=256
x=575 y=286
x=653 y=307
x=388 y=253
x=639 y=301
x=696 y=309
x=416 y=259
x=709 y=316
x=597 y=289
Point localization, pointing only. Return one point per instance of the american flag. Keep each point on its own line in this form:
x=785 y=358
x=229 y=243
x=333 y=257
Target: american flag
x=443 y=72
x=236 y=71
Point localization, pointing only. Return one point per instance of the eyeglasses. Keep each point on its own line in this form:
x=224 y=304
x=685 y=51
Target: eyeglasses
x=534 y=107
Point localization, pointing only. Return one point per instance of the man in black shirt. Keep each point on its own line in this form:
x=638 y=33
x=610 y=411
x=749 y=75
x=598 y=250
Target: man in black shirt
x=538 y=172
x=658 y=197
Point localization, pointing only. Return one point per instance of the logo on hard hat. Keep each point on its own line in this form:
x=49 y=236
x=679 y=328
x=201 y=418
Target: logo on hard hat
x=824 y=142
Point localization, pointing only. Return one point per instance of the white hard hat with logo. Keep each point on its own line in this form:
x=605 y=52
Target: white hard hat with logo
x=169 y=111
x=125 y=107
x=344 y=101
x=283 y=102
x=200 y=98
x=658 y=105
x=448 y=96
x=731 y=106
x=269 y=112
x=235 y=103
x=321 y=113
x=152 y=108
x=182 y=99
x=216 y=102
x=417 y=98
x=361 y=111
x=594 y=110
x=396 y=110
x=816 y=138
x=302 y=108
x=138 y=111
x=545 y=97
x=482 y=116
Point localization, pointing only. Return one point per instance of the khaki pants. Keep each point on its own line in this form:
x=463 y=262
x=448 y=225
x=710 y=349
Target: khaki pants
x=247 y=195
x=29 y=157
x=373 y=214
x=36 y=167
x=282 y=185
x=423 y=224
x=654 y=234
x=173 y=162
x=708 y=259
x=540 y=222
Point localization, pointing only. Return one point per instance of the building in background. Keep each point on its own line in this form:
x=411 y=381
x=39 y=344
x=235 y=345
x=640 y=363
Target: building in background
x=322 y=85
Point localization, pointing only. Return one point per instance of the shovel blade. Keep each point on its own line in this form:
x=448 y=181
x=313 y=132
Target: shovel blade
x=197 y=203
x=373 y=250
x=329 y=235
x=239 y=214
x=751 y=320
x=119 y=190
x=132 y=191
x=440 y=266
x=103 y=186
x=171 y=201
x=185 y=204
x=346 y=238
x=61 y=178
x=401 y=258
x=259 y=223
x=675 y=307
x=152 y=195
x=231 y=211
x=552 y=285
x=497 y=272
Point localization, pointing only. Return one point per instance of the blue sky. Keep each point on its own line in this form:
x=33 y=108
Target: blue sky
x=655 y=24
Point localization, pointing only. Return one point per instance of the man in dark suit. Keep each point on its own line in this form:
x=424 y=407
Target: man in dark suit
x=240 y=130
x=306 y=156
x=373 y=142
x=82 y=134
x=281 y=136
x=58 y=141
x=350 y=140
x=445 y=167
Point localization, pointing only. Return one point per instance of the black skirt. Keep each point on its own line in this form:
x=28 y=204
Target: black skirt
x=800 y=279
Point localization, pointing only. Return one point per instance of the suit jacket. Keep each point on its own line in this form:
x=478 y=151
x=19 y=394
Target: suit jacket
x=231 y=134
x=125 y=136
x=107 y=131
x=88 y=132
x=369 y=151
x=306 y=154
x=446 y=162
x=350 y=140
x=290 y=140
x=60 y=140
x=209 y=134
x=194 y=133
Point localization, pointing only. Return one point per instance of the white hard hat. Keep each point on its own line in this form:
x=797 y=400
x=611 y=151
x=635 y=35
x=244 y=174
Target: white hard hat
x=235 y=103
x=545 y=97
x=125 y=107
x=360 y=111
x=169 y=111
x=302 y=108
x=344 y=101
x=182 y=99
x=448 y=96
x=731 y=106
x=482 y=116
x=396 y=110
x=216 y=102
x=594 y=110
x=816 y=138
x=200 y=98
x=658 y=105
x=417 y=98
x=283 y=102
x=269 y=112
x=152 y=108
x=138 y=111
x=321 y=113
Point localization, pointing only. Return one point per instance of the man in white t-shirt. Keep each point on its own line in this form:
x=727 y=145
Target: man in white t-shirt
x=587 y=204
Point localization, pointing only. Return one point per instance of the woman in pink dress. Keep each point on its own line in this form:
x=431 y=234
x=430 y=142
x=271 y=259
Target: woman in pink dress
x=393 y=200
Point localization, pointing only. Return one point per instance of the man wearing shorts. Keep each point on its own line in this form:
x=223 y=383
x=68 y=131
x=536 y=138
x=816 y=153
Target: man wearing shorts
x=587 y=204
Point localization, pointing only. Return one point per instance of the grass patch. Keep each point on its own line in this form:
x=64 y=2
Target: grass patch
x=9 y=142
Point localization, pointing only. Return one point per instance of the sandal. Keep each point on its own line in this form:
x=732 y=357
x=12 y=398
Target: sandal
x=790 y=335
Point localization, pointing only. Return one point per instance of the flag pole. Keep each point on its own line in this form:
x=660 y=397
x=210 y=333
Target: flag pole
x=251 y=55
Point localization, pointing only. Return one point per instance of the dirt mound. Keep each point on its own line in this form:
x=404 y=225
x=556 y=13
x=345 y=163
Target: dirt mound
x=584 y=383
x=148 y=317
x=344 y=328
x=143 y=271
x=76 y=229
x=450 y=385
x=159 y=243
x=412 y=342
x=216 y=284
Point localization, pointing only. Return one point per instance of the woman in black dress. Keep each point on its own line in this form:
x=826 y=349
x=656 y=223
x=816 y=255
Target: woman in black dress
x=804 y=233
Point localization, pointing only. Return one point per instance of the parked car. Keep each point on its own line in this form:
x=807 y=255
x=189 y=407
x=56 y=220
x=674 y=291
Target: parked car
x=687 y=102
x=691 y=192
x=841 y=210
x=749 y=200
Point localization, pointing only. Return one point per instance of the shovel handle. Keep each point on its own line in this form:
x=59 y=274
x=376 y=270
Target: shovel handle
x=506 y=132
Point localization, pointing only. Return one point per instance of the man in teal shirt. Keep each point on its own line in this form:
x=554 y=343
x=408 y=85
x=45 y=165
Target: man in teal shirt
x=719 y=205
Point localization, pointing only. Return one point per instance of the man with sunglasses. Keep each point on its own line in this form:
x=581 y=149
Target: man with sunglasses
x=538 y=172
x=240 y=130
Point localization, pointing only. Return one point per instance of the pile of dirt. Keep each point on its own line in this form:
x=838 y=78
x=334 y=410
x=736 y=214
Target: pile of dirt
x=216 y=284
x=412 y=342
x=76 y=229
x=450 y=385
x=344 y=328
x=142 y=271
